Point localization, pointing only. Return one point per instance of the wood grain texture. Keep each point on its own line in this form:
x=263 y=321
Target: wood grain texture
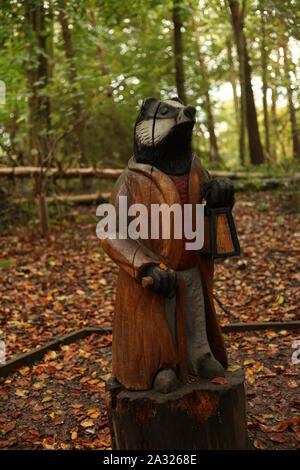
x=142 y=341
x=223 y=235
x=224 y=239
x=198 y=416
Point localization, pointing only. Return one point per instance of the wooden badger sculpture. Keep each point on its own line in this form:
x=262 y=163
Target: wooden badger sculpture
x=168 y=330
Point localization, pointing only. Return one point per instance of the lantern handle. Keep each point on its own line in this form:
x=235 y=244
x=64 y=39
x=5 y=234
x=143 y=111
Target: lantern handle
x=204 y=196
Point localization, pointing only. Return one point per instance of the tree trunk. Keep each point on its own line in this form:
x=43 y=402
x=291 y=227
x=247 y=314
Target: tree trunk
x=214 y=150
x=292 y=112
x=237 y=26
x=264 y=65
x=39 y=102
x=233 y=80
x=50 y=50
x=178 y=51
x=198 y=416
x=100 y=49
x=37 y=78
x=274 y=122
x=79 y=126
x=239 y=115
x=255 y=147
x=44 y=217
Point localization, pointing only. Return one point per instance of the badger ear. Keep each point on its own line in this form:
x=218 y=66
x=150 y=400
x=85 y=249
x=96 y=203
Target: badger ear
x=175 y=98
x=146 y=102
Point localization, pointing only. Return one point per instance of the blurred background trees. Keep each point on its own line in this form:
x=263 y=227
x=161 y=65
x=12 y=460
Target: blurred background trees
x=76 y=73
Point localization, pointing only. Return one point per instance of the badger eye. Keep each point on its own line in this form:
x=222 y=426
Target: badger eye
x=164 y=110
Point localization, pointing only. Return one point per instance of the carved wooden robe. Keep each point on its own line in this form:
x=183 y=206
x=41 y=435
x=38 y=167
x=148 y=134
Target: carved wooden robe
x=142 y=340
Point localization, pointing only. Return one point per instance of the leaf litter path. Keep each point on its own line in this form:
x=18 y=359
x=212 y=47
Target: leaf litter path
x=59 y=403
x=49 y=288
x=264 y=283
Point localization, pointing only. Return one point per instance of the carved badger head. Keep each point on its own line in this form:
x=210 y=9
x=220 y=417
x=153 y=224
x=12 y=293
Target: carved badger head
x=163 y=135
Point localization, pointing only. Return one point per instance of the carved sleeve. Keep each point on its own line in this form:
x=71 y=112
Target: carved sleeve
x=129 y=255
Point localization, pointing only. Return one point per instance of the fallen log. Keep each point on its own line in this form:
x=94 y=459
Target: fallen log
x=114 y=173
x=69 y=198
x=267 y=185
x=30 y=171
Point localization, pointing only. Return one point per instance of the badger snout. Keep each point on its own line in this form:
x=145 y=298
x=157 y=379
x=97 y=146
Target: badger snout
x=186 y=114
x=190 y=112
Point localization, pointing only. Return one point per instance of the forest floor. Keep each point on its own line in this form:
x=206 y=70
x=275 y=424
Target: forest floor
x=51 y=287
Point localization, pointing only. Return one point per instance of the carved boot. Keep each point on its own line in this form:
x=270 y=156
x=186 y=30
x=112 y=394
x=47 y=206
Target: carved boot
x=209 y=367
x=165 y=381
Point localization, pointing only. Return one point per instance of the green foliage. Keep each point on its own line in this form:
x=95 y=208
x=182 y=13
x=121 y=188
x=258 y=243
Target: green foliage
x=123 y=52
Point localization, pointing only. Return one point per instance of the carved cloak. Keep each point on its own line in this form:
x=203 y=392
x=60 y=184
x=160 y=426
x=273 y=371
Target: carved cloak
x=142 y=340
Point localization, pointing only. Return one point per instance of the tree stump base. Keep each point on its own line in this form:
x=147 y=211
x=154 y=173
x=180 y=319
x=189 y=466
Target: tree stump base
x=200 y=415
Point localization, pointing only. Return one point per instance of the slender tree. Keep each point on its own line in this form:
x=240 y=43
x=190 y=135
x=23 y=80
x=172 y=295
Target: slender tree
x=39 y=103
x=100 y=48
x=232 y=77
x=255 y=147
x=264 y=67
x=178 y=50
x=214 y=150
x=237 y=24
x=274 y=121
x=79 y=121
x=292 y=111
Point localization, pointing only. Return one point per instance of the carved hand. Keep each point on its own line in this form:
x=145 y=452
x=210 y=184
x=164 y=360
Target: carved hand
x=219 y=193
x=164 y=280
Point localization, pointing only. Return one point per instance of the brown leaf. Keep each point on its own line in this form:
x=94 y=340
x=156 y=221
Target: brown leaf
x=219 y=380
x=21 y=393
x=292 y=384
x=280 y=438
x=8 y=443
x=8 y=427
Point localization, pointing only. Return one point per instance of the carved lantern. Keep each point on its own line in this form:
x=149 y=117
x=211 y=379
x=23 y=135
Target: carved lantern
x=220 y=236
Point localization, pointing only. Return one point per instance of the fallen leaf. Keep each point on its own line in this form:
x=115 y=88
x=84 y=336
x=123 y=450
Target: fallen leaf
x=24 y=370
x=8 y=427
x=248 y=362
x=21 y=393
x=280 y=438
x=50 y=355
x=292 y=384
x=46 y=399
x=48 y=445
x=87 y=423
x=219 y=380
x=233 y=368
x=259 y=444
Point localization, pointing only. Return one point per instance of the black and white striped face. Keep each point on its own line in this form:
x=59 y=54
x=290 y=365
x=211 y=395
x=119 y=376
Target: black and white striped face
x=158 y=119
